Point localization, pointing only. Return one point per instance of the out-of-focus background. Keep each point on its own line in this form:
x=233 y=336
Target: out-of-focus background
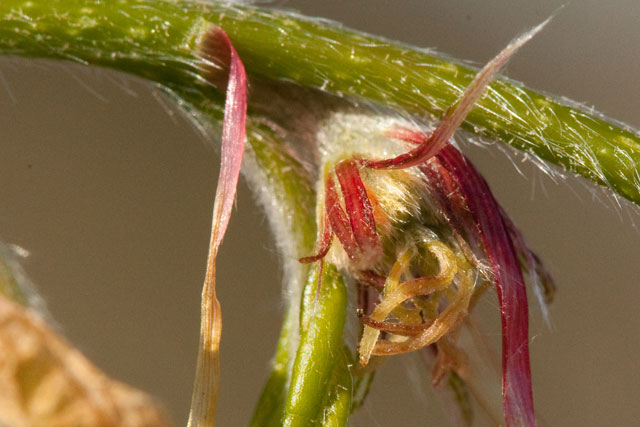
x=111 y=191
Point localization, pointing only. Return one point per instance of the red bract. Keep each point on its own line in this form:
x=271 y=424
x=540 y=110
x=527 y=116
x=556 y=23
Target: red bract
x=217 y=48
x=353 y=225
x=452 y=171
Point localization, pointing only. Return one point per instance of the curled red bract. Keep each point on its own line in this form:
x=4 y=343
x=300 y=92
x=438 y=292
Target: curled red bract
x=217 y=47
x=488 y=226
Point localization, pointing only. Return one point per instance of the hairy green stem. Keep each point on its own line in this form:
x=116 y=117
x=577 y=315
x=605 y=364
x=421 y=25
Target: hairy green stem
x=338 y=404
x=155 y=39
x=320 y=388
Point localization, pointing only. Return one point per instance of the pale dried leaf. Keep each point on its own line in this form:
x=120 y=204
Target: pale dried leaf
x=45 y=382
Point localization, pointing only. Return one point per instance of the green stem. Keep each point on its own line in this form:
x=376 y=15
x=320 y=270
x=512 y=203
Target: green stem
x=156 y=39
x=338 y=405
x=321 y=366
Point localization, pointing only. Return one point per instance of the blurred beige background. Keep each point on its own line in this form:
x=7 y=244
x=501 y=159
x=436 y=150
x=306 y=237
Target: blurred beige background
x=111 y=192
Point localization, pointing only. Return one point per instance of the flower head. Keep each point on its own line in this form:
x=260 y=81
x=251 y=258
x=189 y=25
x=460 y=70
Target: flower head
x=418 y=228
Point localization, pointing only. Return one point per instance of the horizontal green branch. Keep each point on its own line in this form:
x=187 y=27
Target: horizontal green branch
x=157 y=40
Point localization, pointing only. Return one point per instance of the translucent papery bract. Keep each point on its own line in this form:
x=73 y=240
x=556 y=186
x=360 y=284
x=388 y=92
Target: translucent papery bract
x=218 y=48
x=466 y=200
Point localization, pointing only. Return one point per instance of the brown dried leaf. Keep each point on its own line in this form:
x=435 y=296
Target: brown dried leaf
x=45 y=382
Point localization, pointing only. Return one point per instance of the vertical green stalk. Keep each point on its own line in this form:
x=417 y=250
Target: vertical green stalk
x=338 y=404
x=320 y=389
